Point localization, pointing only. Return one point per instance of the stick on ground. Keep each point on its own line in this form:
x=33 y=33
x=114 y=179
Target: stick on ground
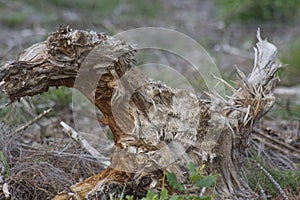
x=28 y=124
x=84 y=143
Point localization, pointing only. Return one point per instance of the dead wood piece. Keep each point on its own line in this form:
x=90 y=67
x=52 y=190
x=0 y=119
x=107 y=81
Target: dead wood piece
x=106 y=185
x=278 y=148
x=154 y=126
x=283 y=144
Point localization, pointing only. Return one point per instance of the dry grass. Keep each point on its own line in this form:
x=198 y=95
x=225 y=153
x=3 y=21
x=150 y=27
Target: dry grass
x=40 y=171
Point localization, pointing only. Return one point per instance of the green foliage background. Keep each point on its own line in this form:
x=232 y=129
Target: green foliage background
x=258 y=10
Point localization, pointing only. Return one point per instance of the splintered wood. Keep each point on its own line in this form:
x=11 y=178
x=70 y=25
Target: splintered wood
x=155 y=127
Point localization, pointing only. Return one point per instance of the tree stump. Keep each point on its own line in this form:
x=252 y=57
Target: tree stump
x=155 y=127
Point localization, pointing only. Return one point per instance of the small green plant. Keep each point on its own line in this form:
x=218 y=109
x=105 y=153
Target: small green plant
x=198 y=179
x=257 y=10
x=172 y=180
x=129 y=197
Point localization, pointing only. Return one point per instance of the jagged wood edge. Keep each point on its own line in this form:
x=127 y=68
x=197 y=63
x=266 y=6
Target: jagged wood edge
x=56 y=62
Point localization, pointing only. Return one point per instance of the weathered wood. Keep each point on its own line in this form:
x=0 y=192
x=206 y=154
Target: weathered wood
x=155 y=127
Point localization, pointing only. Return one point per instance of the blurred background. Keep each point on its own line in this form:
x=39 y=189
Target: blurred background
x=225 y=28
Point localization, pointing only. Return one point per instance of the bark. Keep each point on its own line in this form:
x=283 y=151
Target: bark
x=155 y=127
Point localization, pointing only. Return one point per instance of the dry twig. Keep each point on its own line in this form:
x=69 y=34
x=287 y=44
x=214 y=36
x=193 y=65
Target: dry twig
x=285 y=145
x=273 y=181
x=84 y=143
x=28 y=124
x=277 y=148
